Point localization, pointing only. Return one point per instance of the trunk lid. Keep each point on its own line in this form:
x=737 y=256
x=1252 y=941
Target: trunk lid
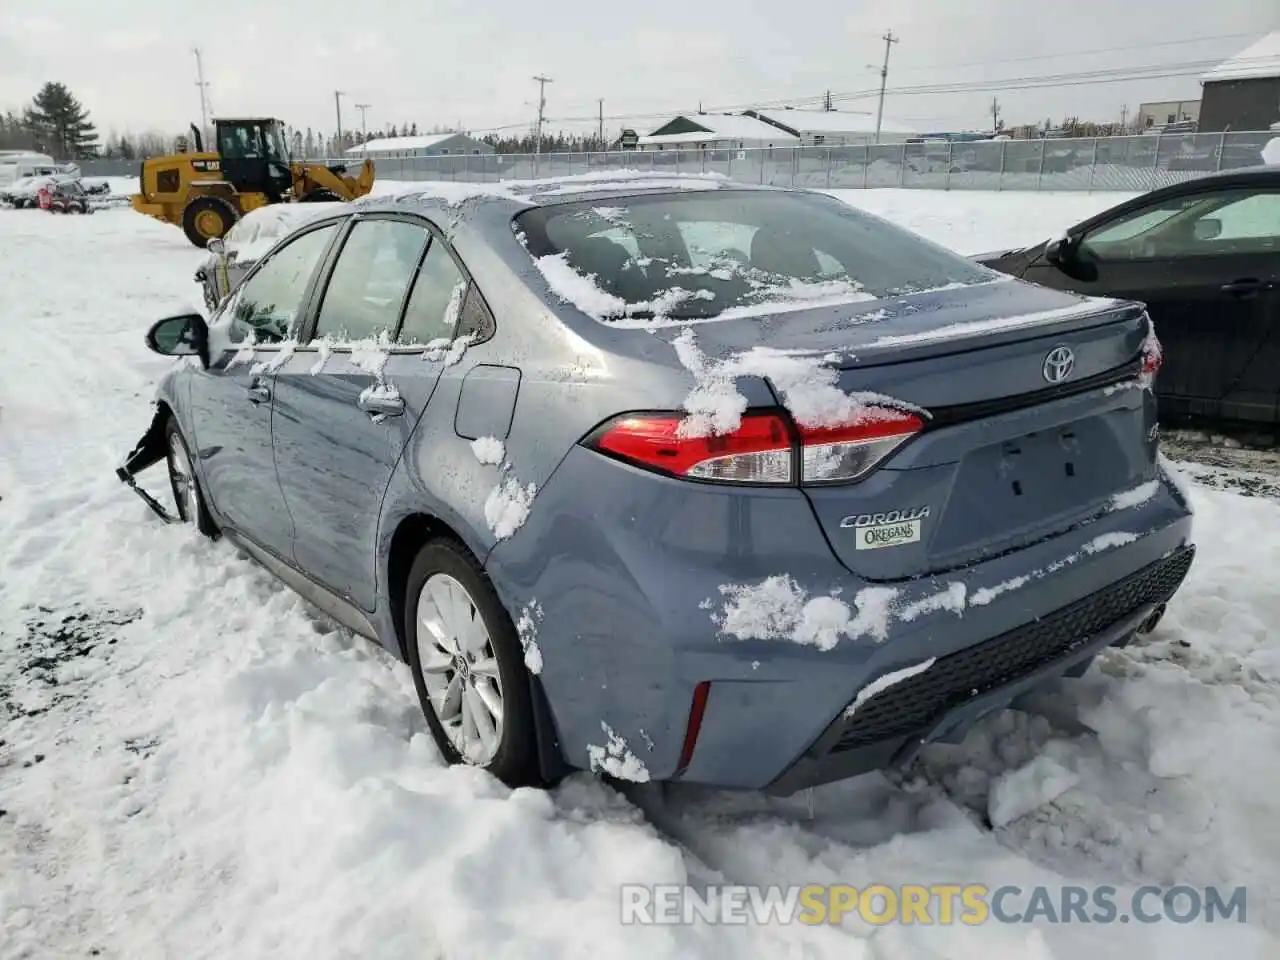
x=1009 y=456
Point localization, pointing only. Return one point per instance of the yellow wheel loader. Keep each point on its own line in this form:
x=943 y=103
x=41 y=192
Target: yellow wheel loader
x=207 y=192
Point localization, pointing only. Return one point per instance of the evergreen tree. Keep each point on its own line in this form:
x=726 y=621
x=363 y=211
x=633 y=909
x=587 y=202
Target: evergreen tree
x=58 y=120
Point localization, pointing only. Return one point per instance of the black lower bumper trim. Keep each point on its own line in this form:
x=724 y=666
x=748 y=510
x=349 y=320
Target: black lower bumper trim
x=878 y=733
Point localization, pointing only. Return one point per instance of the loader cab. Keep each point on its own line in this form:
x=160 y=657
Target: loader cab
x=253 y=156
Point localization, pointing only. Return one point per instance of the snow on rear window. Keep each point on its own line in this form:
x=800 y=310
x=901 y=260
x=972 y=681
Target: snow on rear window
x=729 y=253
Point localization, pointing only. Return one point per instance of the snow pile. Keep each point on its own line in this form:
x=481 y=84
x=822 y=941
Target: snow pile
x=578 y=290
x=1018 y=792
x=450 y=351
x=807 y=383
x=255 y=233
x=778 y=608
x=1271 y=152
x=957 y=331
x=882 y=683
x=488 y=450
x=507 y=507
x=616 y=759
x=1135 y=497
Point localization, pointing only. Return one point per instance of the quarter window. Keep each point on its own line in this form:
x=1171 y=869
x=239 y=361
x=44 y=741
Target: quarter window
x=437 y=298
x=369 y=281
x=267 y=304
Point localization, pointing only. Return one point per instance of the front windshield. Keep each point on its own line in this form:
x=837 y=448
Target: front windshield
x=695 y=255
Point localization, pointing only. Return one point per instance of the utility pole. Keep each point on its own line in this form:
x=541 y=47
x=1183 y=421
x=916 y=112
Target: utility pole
x=1124 y=116
x=889 y=40
x=826 y=102
x=337 y=106
x=204 y=95
x=364 y=136
x=542 y=105
x=995 y=115
x=600 y=135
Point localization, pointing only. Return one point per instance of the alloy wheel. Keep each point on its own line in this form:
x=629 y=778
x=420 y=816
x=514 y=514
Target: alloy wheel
x=459 y=669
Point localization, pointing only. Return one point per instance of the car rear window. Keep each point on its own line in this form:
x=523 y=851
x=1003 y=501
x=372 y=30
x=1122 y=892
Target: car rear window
x=704 y=254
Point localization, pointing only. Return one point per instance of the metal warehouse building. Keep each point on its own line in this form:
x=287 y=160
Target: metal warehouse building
x=428 y=145
x=1243 y=93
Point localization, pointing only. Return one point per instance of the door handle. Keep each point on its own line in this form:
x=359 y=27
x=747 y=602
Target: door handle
x=258 y=393
x=380 y=404
x=1246 y=287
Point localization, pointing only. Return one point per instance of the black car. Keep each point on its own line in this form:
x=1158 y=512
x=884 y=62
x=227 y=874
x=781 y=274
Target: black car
x=1204 y=255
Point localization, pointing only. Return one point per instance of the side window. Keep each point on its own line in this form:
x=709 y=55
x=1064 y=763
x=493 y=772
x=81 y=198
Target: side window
x=368 y=283
x=436 y=300
x=1229 y=221
x=476 y=321
x=268 y=302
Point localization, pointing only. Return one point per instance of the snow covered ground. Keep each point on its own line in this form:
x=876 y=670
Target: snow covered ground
x=195 y=763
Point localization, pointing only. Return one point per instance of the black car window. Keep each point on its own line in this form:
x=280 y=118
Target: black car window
x=477 y=320
x=436 y=300
x=367 y=287
x=268 y=302
x=1223 y=222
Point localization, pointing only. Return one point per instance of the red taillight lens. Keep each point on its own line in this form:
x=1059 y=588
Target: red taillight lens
x=759 y=451
x=763 y=449
x=847 y=452
x=1152 y=354
x=696 y=711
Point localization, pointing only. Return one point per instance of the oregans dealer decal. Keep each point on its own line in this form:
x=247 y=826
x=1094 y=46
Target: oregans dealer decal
x=872 y=531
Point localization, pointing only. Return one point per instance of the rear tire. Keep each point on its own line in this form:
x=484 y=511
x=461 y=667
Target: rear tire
x=187 y=495
x=207 y=218
x=454 y=621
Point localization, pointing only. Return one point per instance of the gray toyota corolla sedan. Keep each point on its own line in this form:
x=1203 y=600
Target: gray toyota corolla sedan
x=676 y=479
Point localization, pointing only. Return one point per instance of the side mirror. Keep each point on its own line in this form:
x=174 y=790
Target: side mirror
x=1208 y=228
x=185 y=335
x=1059 y=251
x=217 y=246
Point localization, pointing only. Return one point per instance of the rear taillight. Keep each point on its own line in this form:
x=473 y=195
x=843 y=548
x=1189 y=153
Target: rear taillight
x=835 y=454
x=759 y=451
x=765 y=449
x=1152 y=355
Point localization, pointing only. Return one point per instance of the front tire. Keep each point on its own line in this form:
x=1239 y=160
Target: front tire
x=468 y=667
x=207 y=218
x=187 y=495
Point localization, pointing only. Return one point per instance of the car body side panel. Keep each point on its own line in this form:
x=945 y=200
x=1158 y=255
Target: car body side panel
x=335 y=460
x=628 y=595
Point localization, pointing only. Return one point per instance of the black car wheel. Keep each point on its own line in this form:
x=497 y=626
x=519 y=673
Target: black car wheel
x=207 y=218
x=187 y=495
x=468 y=666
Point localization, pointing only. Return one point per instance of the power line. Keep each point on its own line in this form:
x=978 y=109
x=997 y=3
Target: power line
x=1155 y=71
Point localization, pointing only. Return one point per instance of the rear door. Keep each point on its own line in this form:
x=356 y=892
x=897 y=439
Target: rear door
x=347 y=401
x=231 y=402
x=1207 y=265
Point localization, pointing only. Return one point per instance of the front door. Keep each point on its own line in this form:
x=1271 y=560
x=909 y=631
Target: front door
x=348 y=401
x=231 y=402
x=1208 y=267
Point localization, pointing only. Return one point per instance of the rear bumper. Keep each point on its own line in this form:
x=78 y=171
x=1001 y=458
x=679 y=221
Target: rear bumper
x=942 y=702
x=629 y=596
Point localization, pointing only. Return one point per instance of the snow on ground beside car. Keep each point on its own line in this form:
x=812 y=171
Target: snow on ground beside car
x=196 y=763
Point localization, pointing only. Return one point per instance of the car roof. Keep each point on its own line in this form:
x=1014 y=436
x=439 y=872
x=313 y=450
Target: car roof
x=518 y=195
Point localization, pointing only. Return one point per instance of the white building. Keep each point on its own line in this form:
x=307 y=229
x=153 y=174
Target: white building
x=834 y=128
x=716 y=131
x=427 y=145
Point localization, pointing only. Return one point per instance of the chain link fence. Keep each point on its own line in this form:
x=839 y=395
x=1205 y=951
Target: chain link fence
x=1132 y=164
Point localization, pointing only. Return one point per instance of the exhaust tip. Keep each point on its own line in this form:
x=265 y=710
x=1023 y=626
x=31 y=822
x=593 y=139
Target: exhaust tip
x=1151 y=622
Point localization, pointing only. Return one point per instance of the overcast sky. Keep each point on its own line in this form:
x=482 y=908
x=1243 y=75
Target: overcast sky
x=469 y=62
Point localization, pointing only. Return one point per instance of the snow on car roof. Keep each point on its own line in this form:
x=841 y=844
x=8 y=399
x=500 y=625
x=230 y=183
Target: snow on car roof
x=258 y=230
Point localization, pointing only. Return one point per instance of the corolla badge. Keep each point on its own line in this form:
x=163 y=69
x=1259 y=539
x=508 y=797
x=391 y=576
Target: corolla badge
x=890 y=529
x=1058 y=364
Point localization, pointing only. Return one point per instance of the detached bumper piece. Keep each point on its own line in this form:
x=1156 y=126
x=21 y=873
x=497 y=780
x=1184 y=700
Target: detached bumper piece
x=149 y=451
x=891 y=727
